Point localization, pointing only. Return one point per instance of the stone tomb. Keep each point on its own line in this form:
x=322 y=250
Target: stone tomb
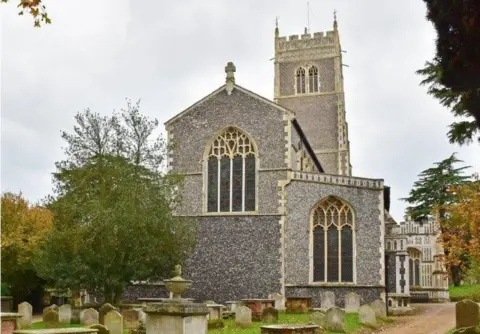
x=298 y=304
x=327 y=300
x=289 y=329
x=103 y=311
x=9 y=321
x=65 y=314
x=89 y=317
x=131 y=319
x=114 y=322
x=366 y=315
x=380 y=308
x=50 y=318
x=335 y=320
x=78 y=330
x=352 y=302
x=243 y=317
x=466 y=314
x=279 y=303
x=257 y=306
x=25 y=309
x=215 y=311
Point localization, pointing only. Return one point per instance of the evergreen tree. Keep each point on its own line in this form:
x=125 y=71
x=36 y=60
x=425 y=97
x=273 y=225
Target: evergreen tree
x=431 y=189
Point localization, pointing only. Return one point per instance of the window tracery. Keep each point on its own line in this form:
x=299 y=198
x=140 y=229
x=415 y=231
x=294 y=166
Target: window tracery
x=333 y=241
x=231 y=173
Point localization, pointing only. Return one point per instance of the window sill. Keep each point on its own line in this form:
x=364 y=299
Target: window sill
x=238 y=213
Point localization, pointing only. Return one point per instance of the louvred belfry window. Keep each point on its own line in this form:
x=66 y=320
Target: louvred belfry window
x=301 y=81
x=333 y=241
x=313 y=79
x=231 y=173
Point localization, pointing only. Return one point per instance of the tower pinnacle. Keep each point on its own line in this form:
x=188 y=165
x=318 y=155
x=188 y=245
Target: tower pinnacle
x=335 y=23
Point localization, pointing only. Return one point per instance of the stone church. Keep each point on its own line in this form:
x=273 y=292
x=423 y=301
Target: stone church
x=270 y=185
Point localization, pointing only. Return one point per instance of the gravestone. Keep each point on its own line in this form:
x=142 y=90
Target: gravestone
x=466 y=314
x=48 y=308
x=328 y=300
x=279 y=301
x=335 y=320
x=114 y=322
x=101 y=329
x=380 y=308
x=131 y=319
x=25 y=309
x=318 y=318
x=270 y=314
x=352 y=302
x=366 y=315
x=104 y=310
x=89 y=317
x=50 y=318
x=65 y=314
x=243 y=317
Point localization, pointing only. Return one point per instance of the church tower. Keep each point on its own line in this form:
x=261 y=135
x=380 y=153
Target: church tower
x=309 y=81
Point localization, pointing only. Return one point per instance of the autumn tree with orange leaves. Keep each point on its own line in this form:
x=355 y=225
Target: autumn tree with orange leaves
x=461 y=224
x=24 y=227
x=35 y=8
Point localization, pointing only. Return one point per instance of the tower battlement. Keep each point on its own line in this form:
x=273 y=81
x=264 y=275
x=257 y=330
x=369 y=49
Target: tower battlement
x=306 y=41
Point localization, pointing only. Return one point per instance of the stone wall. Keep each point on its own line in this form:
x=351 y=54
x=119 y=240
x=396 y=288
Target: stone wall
x=367 y=205
x=236 y=257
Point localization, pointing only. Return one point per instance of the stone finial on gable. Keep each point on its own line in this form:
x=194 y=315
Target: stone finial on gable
x=230 y=80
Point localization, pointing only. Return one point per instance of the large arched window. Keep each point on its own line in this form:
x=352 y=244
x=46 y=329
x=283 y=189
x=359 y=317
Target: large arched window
x=313 y=79
x=231 y=173
x=301 y=81
x=333 y=241
x=414 y=266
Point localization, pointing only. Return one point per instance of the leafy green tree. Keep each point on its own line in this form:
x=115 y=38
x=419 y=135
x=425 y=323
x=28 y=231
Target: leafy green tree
x=463 y=132
x=431 y=187
x=113 y=208
x=457 y=23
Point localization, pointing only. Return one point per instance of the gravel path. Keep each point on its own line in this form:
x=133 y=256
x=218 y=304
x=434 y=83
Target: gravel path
x=430 y=319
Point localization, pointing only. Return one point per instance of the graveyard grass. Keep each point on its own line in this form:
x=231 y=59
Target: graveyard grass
x=458 y=293
x=352 y=323
x=41 y=325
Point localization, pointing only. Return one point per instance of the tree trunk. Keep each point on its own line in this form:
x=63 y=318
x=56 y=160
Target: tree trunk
x=456 y=274
x=117 y=295
x=108 y=294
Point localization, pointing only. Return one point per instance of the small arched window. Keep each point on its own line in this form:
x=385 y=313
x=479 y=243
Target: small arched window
x=313 y=79
x=333 y=243
x=301 y=81
x=231 y=173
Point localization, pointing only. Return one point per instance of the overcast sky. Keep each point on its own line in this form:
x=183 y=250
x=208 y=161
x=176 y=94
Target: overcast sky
x=172 y=53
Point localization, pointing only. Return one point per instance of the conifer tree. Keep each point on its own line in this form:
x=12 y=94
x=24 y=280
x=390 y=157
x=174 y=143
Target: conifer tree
x=431 y=189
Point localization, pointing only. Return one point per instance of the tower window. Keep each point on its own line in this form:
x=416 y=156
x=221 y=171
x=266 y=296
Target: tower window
x=301 y=81
x=313 y=79
x=231 y=173
x=333 y=241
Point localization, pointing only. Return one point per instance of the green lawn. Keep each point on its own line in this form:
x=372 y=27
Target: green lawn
x=458 y=293
x=351 y=324
x=41 y=325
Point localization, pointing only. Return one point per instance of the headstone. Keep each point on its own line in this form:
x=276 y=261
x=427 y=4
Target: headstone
x=279 y=301
x=328 y=300
x=25 y=309
x=366 y=315
x=131 y=319
x=101 y=329
x=466 y=313
x=270 y=314
x=243 y=317
x=318 y=318
x=51 y=307
x=114 y=322
x=50 y=318
x=380 y=308
x=104 y=310
x=65 y=314
x=352 y=302
x=335 y=320
x=89 y=317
